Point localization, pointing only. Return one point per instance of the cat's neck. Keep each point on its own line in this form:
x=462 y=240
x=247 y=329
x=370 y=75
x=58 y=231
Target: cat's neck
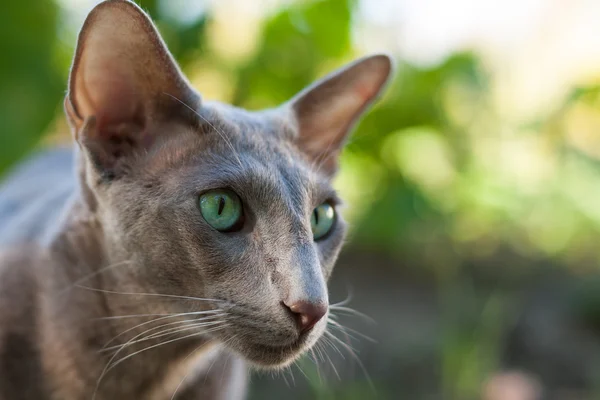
x=87 y=300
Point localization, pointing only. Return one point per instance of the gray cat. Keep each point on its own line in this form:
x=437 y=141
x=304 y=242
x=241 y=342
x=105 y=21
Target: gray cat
x=191 y=240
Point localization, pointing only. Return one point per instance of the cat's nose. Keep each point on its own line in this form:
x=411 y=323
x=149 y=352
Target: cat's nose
x=307 y=313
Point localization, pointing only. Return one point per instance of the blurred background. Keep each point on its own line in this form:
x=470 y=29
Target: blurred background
x=473 y=186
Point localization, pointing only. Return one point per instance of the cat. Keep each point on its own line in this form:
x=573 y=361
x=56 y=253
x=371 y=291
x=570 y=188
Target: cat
x=181 y=241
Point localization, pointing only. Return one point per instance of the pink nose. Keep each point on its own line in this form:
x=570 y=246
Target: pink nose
x=307 y=314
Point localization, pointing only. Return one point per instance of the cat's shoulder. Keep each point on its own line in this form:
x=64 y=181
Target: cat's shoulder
x=19 y=352
x=33 y=194
x=18 y=281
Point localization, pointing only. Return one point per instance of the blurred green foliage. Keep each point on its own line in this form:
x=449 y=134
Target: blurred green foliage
x=30 y=83
x=295 y=43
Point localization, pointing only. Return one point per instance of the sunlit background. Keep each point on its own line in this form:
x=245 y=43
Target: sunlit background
x=473 y=186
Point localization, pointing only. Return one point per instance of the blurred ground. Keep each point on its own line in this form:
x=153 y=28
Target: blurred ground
x=472 y=186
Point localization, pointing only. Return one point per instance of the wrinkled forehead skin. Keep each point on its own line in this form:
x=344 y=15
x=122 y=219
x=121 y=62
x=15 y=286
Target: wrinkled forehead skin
x=220 y=146
x=251 y=152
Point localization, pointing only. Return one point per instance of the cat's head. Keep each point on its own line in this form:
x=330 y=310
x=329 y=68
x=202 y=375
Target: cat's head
x=208 y=200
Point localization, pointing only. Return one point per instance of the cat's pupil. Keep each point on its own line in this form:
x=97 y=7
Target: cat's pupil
x=221 y=205
x=316 y=216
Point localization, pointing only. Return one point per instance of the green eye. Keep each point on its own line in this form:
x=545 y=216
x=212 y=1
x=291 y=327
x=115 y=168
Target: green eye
x=322 y=220
x=222 y=209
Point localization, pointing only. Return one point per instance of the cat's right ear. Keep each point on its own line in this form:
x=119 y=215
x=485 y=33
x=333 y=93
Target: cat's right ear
x=327 y=110
x=121 y=79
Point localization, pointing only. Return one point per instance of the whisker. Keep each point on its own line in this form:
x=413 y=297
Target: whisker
x=106 y=368
x=93 y=274
x=142 y=324
x=110 y=366
x=346 y=329
x=320 y=353
x=348 y=336
x=145 y=294
x=155 y=320
x=284 y=379
x=356 y=358
x=181 y=329
x=351 y=311
x=191 y=369
x=186 y=327
x=326 y=341
x=324 y=156
x=219 y=132
x=163 y=343
x=159 y=315
x=289 y=370
x=189 y=372
x=170 y=331
x=215 y=359
x=347 y=300
x=316 y=362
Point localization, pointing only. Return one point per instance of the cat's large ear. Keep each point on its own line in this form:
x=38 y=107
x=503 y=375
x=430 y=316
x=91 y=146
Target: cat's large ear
x=121 y=80
x=327 y=110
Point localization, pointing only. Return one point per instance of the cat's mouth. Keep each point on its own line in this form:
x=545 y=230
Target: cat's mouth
x=268 y=345
x=274 y=355
x=294 y=346
x=271 y=356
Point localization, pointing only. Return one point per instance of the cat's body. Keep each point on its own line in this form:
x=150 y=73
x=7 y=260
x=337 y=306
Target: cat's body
x=49 y=347
x=45 y=182
x=180 y=240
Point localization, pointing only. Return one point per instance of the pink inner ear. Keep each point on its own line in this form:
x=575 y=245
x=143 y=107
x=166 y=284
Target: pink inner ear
x=327 y=111
x=106 y=92
x=326 y=127
x=365 y=90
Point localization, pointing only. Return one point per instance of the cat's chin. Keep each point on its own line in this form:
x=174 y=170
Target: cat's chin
x=276 y=356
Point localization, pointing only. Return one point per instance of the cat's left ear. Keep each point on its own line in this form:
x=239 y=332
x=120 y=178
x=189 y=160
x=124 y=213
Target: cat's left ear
x=326 y=111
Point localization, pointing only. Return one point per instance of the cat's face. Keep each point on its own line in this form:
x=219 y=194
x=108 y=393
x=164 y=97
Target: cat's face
x=208 y=200
x=255 y=271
